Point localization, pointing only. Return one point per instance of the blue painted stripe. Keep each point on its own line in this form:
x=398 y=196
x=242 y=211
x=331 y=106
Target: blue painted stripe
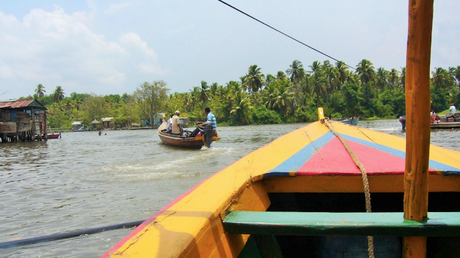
x=297 y=160
x=402 y=154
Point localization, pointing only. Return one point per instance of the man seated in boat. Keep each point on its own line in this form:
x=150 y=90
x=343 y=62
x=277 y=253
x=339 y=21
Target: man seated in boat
x=434 y=117
x=210 y=120
x=169 y=124
x=175 y=124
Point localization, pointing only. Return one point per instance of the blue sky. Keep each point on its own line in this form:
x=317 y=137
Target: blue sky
x=112 y=47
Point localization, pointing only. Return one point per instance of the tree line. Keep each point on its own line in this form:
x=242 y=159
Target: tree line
x=255 y=98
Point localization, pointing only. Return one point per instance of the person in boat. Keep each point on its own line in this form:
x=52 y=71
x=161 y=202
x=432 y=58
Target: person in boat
x=169 y=124
x=175 y=124
x=210 y=119
x=453 y=110
x=434 y=117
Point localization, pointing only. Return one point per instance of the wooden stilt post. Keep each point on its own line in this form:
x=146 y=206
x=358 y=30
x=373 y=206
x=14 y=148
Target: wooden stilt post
x=417 y=120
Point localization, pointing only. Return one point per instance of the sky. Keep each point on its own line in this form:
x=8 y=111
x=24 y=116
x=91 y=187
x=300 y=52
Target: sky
x=107 y=47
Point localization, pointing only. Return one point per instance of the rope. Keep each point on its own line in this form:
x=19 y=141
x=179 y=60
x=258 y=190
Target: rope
x=367 y=193
x=59 y=236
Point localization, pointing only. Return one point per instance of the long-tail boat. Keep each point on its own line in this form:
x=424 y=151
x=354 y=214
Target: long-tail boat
x=325 y=190
x=193 y=142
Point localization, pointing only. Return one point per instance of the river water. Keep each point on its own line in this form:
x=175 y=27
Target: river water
x=84 y=180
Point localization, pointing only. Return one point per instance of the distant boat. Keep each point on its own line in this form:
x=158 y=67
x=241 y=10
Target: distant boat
x=435 y=124
x=351 y=121
x=185 y=142
x=54 y=136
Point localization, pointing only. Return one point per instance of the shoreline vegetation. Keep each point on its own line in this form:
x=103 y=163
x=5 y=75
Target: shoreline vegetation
x=290 y=96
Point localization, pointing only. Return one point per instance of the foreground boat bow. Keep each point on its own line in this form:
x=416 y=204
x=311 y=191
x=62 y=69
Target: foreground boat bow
x=308 y=170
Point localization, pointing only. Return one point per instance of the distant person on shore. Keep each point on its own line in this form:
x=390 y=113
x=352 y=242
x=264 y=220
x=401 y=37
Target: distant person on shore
x=453 y=110
x=176 y=128
x=169 y=124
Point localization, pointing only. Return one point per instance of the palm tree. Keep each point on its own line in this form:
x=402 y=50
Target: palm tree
x=393 y=78
x=382 y=79
x=442 y=79
x=342 y=70
x=365 y=70
x=282 y=99
x=240 y=108
x=40 y=90
x=281 y=75
x=58 y=94
x=255 y=79
x=403 y=78
x=204 y=93
x=317 y=80
x=296 y=71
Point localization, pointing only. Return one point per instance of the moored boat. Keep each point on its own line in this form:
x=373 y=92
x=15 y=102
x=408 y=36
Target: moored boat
x=195 y=142
x=54 y=136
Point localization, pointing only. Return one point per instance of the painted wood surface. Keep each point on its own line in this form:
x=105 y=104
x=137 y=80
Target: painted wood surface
x=345 y=224
x=191 y=225
x=417 y=120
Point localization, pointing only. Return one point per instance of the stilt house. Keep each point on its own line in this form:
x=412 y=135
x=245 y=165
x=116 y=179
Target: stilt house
x=22 y=120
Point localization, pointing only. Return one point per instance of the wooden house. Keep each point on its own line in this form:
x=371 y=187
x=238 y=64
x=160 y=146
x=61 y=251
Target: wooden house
x=22 y=120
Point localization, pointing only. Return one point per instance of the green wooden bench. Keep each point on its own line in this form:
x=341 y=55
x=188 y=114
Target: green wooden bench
x=344 y=224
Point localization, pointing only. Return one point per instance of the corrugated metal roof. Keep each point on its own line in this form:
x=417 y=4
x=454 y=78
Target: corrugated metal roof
x=17 y=103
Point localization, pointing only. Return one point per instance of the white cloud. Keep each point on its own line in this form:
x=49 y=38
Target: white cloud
x=57 y=48
x=135 y=41
x=113 y=8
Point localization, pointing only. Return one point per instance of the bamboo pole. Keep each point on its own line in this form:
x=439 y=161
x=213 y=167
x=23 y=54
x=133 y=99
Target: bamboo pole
x=417 y=121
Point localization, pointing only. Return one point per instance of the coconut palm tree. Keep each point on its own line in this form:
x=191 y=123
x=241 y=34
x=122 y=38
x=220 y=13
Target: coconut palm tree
x=365 y=70
x=40 y=90
x=58 y=94
x=240 y=108
x=254 y=79
x=296 y=72
x=204 y=93
x=342 y=69
x=393 y=78
x=381 y=80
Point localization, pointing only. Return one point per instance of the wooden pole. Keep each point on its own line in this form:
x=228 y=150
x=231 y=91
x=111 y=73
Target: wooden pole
x=417 y=120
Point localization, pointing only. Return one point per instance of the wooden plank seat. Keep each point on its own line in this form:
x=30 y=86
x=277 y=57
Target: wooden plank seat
x=344 y=224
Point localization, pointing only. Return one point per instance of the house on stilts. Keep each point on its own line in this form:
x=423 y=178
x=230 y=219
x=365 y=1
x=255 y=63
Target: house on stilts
x=22 y=120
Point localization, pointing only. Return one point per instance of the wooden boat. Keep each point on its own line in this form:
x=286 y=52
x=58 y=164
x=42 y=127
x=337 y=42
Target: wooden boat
x=308 y=193
x=445 y=125
x=54 y=136
x=185 y=142
x=351 y=121
x=307 y=173
x=434 y=124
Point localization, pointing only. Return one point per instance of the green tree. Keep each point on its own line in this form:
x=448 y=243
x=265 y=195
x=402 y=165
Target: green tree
x=40 y=91
x=151 y=98
x=58 y=94
x=296 y=72
x=254 y=79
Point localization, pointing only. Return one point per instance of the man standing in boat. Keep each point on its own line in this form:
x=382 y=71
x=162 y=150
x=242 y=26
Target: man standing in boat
x=176 y=128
